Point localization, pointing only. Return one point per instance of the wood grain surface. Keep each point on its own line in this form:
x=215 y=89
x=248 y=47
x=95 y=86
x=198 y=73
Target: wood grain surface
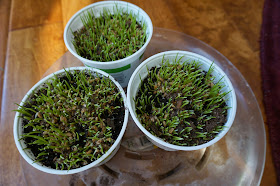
x=5 y=6
x=36 y=42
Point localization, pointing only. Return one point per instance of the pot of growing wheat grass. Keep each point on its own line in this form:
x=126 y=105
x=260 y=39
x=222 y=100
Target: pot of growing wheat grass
x=111 y=36
x=181 y=100
x=71 y=120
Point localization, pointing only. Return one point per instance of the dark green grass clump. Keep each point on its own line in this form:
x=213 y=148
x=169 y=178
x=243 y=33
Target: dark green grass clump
x=72 y=120
x=179 y=103
x=109 y=37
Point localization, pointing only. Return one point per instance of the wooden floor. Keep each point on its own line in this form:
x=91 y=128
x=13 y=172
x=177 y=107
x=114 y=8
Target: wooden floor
x=31 y=40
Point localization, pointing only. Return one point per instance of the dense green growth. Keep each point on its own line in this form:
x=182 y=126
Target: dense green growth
x=110 y=37
x=73 y=119
x=180 y=103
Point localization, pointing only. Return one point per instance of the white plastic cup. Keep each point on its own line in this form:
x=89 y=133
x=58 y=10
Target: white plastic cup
x=121 y=69
x=156 y=61
x=28 y=155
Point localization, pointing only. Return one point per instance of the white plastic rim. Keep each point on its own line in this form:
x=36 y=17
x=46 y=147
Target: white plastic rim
x=121 y=69
x=28 y=155
x=156 y=61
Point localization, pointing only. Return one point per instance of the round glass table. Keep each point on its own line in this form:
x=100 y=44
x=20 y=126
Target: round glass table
x=237 y=159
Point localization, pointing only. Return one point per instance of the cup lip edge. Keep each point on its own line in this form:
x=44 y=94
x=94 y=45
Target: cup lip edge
x=161 y=141
x=142 y=49
x=83 y=168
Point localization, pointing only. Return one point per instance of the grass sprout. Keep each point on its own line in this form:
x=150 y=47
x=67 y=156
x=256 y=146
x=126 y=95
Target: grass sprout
x=110 y=36
x=72 y=120
x=181 y=104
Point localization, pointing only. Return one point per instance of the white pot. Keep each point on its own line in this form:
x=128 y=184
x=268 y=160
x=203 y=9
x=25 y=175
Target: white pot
x=156 y=60
x=28 y=155
x=121 y=69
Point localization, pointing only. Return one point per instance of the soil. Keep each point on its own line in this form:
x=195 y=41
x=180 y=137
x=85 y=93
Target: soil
x=220 y=117
x=114 y=120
